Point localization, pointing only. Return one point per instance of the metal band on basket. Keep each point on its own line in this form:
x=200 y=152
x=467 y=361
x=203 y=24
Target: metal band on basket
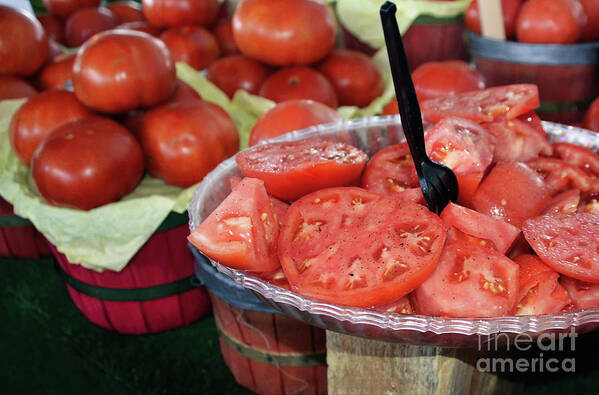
x=272 y=357
x=141 y=294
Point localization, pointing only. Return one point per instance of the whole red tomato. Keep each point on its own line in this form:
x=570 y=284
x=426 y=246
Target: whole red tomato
x=434 y=79
x=223 y=31
x=193 y=45
x=23 y=42
x=284 y=32
x=126 y=11
x=354 y=76
x=163 y=13
x=84 y=23
x=509 y=8
x=87 y=163
x=12 y=87
x=64 y=8
x=141 y=26
x=291 y=115
x=39 y=116
x=184 y=92
x=299 y=82
x=550 y=21
x=591 y=118
x=237 y=72
x=56 y=73
x=121 y=70
x=183 y=141
x=53 y=26
x=591 y=30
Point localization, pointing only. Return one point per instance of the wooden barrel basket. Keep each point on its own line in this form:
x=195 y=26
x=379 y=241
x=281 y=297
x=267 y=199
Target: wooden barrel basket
x=18 y=237
x=567 y=75
x=155 y=292
x=267 y=352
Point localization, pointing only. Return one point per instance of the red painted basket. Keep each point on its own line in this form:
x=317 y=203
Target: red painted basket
x=567 y=75
x=155 y=292
x=18 y=237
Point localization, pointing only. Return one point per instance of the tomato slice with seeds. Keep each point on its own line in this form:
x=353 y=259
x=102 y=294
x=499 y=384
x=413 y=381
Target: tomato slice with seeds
x=353 y=247
x=390 y=171
x=401 y=306
x=583 y=294
x=511 y=191
x=293 y=169
x=276 y=277
x=519 y=139
x=559 y=176
x=279 y=207
x=565 y=202
x=242 y=232
x=487 y=105
x=493 y=232
x=581 y=157
x=463 y=146
x=539 y=291
x=470 y=280
x=568 y=243
x=589 y=203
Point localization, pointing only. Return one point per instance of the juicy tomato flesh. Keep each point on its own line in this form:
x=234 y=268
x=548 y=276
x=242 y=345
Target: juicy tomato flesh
x=559 y=175
x=353 y=247
x=565 y=202
x=584 y=294
x=293 y=169
x=578 y=156
x=400 y=306
x=390 y=171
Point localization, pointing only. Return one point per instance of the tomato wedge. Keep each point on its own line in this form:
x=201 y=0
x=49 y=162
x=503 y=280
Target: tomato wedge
x=539 y=291
x=279 y=207
x=559 y=175
x=565 y=202
x=463 y=146
x=487 y=105
x=470 y=280
x=242 y=231
x=293 y=169
x=401 y=306
x=353 y=247
x=584 y=295
x=276 y=277
x=493 y=232
x=589 y=203
x=578 y=156
x=568 y=243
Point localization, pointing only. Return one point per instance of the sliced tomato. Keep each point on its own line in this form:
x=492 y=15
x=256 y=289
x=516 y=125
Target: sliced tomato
x=493 y=232
x=293 y=169
x=463 y=146
x=242 y=231
x=539 y=291
x=390 y=171
x=513 y=192
x=584 y=294
x=565 y=202
x=589 y=203
x=279 y=207
x=276 y=277
x=353 y=247
x=487 y=105
x=559 y=175
x=568 y=243
x=519 y=139
x=578 y=156
x=400 y=306
x=470 y=280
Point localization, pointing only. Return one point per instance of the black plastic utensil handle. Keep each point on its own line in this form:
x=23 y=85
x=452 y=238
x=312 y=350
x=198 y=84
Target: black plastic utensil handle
x=409 y=109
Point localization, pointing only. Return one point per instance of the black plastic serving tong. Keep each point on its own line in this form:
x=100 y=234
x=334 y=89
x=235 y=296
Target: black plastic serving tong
x=438 y=183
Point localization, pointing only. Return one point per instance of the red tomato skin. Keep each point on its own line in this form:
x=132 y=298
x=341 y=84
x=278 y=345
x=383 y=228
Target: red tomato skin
x=106 y=73
x=312 y=167
x=236 y=72
x=141 y=26
x=289 y=116
x=86 y=22
x=509 y=8
x=126 y=11
x=585 y=295
x=525 y=198
x=590 y=32
x=12 y=87
x=550 y=22
x=223 y=31
x=56 y=73
x=193 y=45
x=39 y=117
x=64 y=8
x=591 y=118
x=168 y=13
x=25 y=55
x=183 y=92
x=565 y=202
x=391 y=108
x=299 y=83
x=354 y=76
x=435 y=79
x=185 y=140
x=284 y=32
x=559 y=175
x=53 y=26
x=87 y=163
x=579 y=156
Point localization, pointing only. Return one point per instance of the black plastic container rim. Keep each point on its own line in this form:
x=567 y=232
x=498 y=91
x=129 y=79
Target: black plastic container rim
x=225 y=288
x=544 y=54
